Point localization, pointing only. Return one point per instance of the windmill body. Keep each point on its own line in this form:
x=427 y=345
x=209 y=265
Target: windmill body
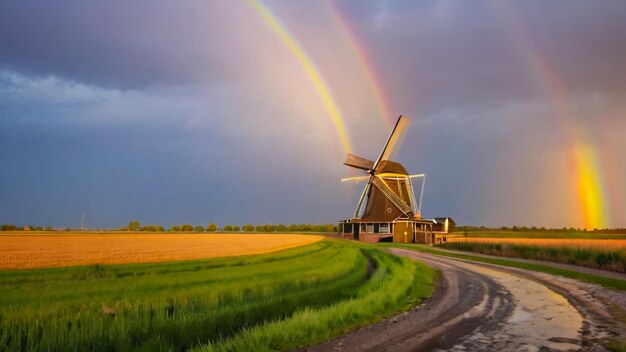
x=387 y=209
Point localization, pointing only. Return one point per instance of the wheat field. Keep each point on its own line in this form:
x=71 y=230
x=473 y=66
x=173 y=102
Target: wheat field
x=41 y=251
x=557 y=242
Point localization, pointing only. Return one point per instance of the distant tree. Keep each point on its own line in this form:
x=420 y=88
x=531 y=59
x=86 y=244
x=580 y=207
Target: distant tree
x=228 y=227
x=49 y=228
x=211 y=227
x=8 y=227
x=133 y=225
x=160 y=228
x=248 y=227
x=268 y=228
x=186 y=227
x=281 y=228
x=199 y=228
x=259 y=228
x=292 y=228
x=305 y=227
x=175 y=228
x=236 y=228
x=514 y=228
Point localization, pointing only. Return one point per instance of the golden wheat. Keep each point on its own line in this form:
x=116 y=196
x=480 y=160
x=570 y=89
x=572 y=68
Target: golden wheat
x=40 y=251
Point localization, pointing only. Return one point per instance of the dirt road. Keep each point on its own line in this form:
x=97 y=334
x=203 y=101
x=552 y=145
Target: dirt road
x=482 y=307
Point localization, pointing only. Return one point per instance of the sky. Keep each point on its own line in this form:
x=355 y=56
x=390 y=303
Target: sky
x=242 y=112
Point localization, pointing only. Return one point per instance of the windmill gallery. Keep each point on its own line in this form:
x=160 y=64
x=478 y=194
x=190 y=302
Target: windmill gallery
x=391 y=212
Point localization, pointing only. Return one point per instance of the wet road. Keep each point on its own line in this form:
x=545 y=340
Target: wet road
x=481 y=307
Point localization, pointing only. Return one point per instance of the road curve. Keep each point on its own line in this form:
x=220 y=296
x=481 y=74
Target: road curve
x=483 y=307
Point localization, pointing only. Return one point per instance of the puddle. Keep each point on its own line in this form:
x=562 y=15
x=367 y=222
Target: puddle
x=542 y=319
x=520 y=315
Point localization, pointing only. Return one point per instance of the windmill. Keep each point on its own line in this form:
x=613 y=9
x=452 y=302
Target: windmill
x=388 y=194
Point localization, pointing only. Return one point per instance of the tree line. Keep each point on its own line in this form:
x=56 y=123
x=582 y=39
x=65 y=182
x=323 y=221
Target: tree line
x=134 y=225
x=10 y=227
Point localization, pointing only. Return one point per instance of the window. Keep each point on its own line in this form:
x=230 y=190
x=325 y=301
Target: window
x=384 y=228
x=370 y=228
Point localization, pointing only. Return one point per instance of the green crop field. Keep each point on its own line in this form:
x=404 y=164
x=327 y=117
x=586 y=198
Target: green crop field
x=273 y=301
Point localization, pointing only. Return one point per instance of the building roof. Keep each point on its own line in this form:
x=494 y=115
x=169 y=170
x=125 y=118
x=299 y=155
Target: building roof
x=442 y=220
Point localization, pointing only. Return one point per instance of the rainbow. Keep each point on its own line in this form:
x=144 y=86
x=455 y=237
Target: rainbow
x=588 y=182
x=314 y=74
x=367 y=66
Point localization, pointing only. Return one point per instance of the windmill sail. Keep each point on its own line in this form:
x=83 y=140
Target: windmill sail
x=395 y=139
x=358 y=162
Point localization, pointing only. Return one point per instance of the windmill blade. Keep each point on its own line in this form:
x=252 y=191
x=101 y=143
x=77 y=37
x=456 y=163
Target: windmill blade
x=394 y=140
x=417 y=175
x=356 y=179
x=365 y=192
x=358 y=162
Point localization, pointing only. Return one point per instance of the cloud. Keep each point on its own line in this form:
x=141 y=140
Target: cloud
x=165 y=155
x=126 y=45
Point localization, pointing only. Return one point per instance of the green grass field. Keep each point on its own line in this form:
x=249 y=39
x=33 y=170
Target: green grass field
x=275 y=301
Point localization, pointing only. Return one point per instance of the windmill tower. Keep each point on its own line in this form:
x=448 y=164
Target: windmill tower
x=387 y=208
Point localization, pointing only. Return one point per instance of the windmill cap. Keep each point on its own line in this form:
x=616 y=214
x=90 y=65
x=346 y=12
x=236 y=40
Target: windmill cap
x=388 y=166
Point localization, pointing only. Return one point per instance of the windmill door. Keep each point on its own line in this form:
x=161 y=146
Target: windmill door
x=403 y=232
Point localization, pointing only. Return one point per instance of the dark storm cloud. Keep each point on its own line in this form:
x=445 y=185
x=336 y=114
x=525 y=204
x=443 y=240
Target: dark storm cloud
x=460 y=53
x=119 y=43
x=163 y=156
